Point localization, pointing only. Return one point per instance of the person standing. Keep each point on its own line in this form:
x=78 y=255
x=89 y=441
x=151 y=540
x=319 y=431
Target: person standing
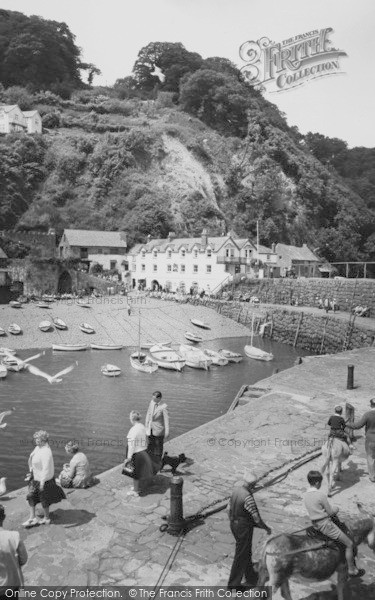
x=13 y=556
x=244 y=516
x=137 y=454
x=368 y=421
x=157 y=428
x=42 y=484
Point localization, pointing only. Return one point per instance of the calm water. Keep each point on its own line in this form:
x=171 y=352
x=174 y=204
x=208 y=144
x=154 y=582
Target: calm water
x=94 y=409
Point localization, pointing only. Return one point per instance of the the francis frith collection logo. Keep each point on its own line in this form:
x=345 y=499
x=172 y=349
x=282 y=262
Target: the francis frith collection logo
x=290 y=63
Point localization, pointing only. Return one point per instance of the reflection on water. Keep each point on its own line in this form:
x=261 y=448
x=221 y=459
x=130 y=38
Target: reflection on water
x=94 y=409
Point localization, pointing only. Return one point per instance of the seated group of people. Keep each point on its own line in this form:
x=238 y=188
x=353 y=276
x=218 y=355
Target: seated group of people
x=76 y=473
x=361 y=311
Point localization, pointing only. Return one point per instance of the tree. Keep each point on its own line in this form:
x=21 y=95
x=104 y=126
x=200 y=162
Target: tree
x=172 y=58
x=218 y=99
x=39 y=53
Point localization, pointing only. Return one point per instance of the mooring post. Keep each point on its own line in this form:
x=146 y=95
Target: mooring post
x=176 y=518
x=350 y=382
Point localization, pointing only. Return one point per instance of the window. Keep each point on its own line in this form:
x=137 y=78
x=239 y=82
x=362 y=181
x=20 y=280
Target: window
x=112 y=264
x=169 y=254
x=134 y=267
x=227 y=252
x=209 y=253
x=268 y=257
x=84 y=252
x=143 y=254
x=175 y=267
x=169 y=268
x=195 y=253
x=208 y=268
x=195 y=268
x=155 y=253
x=182 y=268
x=155 y=267
x=99 y=251
x=115 y=251
x=143 y=267
x=183 y=252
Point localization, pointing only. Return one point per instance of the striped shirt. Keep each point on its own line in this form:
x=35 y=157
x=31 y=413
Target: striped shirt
x=251 y=507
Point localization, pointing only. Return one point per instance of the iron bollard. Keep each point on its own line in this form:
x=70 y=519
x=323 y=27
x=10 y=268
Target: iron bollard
x=176 y=518
x=350 y=382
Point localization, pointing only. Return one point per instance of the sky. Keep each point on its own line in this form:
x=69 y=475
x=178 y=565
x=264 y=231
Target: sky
x=111 y=33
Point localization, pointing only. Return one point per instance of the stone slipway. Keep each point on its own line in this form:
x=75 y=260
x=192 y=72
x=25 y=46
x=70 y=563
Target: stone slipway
x=100 y=536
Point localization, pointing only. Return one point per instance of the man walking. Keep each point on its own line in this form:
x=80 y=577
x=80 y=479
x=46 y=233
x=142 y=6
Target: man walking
x=13 y=556
x=157 y=428
x=244 y=516
x=368 y=421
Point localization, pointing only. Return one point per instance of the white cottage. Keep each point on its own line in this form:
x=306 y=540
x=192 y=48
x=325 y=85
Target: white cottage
x=14 y=120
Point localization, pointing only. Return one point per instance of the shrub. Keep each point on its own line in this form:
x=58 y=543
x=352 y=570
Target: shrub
x=51 y=120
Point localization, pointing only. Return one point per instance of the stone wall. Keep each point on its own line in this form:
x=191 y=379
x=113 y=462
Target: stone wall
x=347 y=292
x=319 y=334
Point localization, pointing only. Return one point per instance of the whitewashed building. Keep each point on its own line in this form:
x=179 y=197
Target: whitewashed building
x=14 y=120
x=106 y=248
x=204 y=263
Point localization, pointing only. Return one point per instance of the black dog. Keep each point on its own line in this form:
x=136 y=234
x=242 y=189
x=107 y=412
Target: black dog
x=172 y=461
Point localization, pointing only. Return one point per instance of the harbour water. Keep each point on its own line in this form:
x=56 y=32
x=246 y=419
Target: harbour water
x=94 y=410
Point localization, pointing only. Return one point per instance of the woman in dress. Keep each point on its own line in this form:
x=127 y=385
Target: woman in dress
x=137 y=454
x=77 y=472
x=42 y=485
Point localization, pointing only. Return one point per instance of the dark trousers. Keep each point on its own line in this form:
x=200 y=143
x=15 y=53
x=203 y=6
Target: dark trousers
x=155 y=450
x=242 y=565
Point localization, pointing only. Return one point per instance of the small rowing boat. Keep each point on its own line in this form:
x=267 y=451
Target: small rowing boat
x=43 y=305
x=231 y=356
x=69 y=347
x=83 y=304
x=148 y=345
x=13 y=364
x=106 y=346
x=14 y=329
x=86 y=328
x=200 y=324
x=195 y=358
x=3 y=371
x=15 y=304
x=257 y=353
x=216 y=357
x=48 y=298
x=167 y=358
x=45 y=325
x=110 y=370
x=141 y=362
x=193 y=337
x=59 y=323
x=2 y=331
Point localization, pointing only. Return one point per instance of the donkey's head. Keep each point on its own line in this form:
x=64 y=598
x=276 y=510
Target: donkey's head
x=368 y=525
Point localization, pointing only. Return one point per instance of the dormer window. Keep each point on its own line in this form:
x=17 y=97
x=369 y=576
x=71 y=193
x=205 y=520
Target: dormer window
x=143 y=253
x=155 y=253
x=175 y=267
x=183 y=252
x=195 y=253
x=209 y=252
x=169 y=254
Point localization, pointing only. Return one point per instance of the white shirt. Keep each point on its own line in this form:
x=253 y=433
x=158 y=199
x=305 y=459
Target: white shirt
x=137 y=439
x=41 y=463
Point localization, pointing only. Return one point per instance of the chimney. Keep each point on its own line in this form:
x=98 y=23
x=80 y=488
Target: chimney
x=273 y=247
x=204 y=237
x=171 y=236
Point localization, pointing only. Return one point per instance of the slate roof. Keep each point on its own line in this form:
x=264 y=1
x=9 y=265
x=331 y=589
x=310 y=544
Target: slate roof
x=175 y=244
x=29 y=113
x=296 y=253
x=86 y=238
x=8 y=107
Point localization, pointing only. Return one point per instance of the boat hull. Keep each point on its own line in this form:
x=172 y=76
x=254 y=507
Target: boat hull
x=257 y=353
x=195 y=358
x=231 y=356
x=59 y=324
x=199 y=323
x=217 y=360
x=69 y=347
x=14 y=329
x=86 y=328
x=106 y=347
x=148 y=366
x=192 y=337
x=46 y=326
x=3 y=371
x=111 y=371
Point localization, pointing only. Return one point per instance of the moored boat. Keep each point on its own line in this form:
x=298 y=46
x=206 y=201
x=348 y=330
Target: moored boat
x=45 y=325
x=83 y=304
x=110 y=370
x=12 y=363
x=3 y=371
x=14 y=329
x=86 y=328
x=216 y=357
x=231 y=356
x=167 y=358
x=2 y=331
x=59 y=323
x=193 y=337
x=141 y=362
x=43 y=305
x=257 y=353
x=194 y=357
x=15 y=304
x=6 y=351
x=106 y=346
x=69 y=347
x=199 y=323
x=148 y=345
x=48 y=298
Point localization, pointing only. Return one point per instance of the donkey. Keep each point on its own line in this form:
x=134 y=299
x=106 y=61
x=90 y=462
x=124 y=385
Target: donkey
x=288 y=556
x=334 y=452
